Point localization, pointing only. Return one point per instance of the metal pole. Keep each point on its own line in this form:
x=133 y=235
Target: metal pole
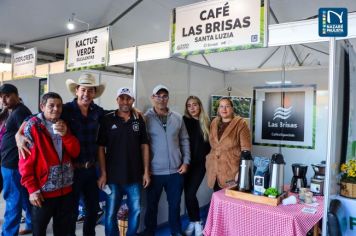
x=331 y=136
x=134 y=85
x=48 y=75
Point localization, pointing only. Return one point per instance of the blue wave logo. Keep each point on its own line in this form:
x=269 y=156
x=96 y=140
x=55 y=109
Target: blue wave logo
x=282 y=113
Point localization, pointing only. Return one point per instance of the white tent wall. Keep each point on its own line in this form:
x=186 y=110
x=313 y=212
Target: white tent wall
x=242 y=85
x=182 y=79
x=107 y=100
x=28 y=91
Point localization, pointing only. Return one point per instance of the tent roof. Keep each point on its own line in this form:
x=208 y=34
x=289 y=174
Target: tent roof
x=147 y=22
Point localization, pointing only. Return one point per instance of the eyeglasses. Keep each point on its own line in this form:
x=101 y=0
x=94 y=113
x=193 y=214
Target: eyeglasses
x=226 y=107
x=164 y=97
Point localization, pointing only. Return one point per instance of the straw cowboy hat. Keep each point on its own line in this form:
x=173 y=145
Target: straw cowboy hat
x=87 y=80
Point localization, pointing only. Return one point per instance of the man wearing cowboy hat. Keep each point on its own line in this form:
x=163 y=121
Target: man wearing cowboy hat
x=82 y=115
x=83 y=118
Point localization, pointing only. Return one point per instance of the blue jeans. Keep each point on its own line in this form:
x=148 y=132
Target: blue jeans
x=173 y=186
x=15 y=196
x=113 y=202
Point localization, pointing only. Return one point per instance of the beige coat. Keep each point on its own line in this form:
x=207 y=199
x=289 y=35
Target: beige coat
x=223 y=161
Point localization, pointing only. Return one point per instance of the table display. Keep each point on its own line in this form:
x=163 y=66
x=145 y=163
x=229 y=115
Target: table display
x=229 y=216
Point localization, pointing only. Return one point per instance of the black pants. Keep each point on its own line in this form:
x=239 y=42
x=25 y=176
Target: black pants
x=216 y=186
x=84 y=184
x=192 y=181
x=59 y=208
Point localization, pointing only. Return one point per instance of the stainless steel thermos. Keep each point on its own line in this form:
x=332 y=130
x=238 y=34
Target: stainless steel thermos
x=246 y=172
x=277 y=172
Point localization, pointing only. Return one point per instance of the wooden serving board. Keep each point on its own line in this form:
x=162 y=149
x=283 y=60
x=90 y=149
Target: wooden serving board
x=232 y=192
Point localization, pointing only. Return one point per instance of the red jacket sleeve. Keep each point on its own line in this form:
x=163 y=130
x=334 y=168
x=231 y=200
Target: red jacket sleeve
x=71 y=144
x=27 y=169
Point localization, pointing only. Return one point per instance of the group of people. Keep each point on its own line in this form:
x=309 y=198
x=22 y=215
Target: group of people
x=161 y=149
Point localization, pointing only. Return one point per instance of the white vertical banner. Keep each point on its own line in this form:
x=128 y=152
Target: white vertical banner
x=24 y=64
x=351 y=143
x=88 y=50
x=217 y=26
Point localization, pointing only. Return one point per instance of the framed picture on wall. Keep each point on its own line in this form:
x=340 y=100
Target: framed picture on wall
x=242 y=105
x=42 y=89
x=285 y=116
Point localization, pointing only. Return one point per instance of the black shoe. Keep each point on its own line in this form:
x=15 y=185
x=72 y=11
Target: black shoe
x=146 y=233
x=80 y=218
x=178 y=234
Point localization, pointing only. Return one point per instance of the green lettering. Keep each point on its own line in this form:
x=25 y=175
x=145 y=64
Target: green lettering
x=352 y=222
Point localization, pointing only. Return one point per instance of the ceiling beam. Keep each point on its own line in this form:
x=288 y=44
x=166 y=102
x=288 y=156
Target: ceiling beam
x=206 y=60
x=196 y=64
x=125 y=12
x=290 y=47
x=269 y=56
x=317 y=50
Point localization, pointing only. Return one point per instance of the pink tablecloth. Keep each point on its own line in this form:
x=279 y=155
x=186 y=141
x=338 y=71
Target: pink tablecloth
x=230 y=216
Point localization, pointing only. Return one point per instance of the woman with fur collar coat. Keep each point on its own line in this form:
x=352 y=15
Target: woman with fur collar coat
x=229 y=135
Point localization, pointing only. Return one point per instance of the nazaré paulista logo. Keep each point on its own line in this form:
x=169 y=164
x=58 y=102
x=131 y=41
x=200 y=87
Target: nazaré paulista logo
x=332 y=22
x=282 y=113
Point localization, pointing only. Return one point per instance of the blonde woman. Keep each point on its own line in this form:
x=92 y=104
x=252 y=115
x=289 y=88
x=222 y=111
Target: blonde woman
x=197 y=123
x=229 y=135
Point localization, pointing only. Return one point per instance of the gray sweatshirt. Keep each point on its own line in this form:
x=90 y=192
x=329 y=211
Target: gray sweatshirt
x=170 y=147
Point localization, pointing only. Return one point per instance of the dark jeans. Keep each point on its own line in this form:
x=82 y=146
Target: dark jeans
x=192 y=181
x=59 y=208
x=84 y=184
x=173 y=186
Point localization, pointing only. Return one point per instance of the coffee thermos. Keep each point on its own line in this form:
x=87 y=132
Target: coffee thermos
x=246 y=172
x=277 y=172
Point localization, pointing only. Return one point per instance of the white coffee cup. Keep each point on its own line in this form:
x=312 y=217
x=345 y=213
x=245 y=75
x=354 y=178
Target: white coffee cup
x=289 y=200
x=55 y=128
x=107 y=189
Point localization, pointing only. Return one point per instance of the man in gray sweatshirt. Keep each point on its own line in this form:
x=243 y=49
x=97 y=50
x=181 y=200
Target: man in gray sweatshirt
x=170 y=157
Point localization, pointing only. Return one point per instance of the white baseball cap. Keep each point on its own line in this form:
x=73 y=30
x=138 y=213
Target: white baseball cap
x=125 y=90
x=158 y=88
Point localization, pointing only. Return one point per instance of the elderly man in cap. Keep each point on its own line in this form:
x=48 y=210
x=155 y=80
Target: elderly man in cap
x=15 y=195
x=82 y=116
x=170 y=152
x=124 y=161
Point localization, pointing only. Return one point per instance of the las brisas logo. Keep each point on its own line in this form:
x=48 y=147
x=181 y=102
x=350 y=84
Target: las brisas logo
x=283 y=116
x=282 y=113
x=332 y=22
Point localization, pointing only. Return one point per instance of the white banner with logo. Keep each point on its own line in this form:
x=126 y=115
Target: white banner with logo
x=285 y=116
x=24 y=64
x=88 y=50
x=217 y=26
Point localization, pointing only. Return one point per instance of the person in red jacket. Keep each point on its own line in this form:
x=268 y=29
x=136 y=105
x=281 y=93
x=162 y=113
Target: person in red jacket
x=47 y=173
